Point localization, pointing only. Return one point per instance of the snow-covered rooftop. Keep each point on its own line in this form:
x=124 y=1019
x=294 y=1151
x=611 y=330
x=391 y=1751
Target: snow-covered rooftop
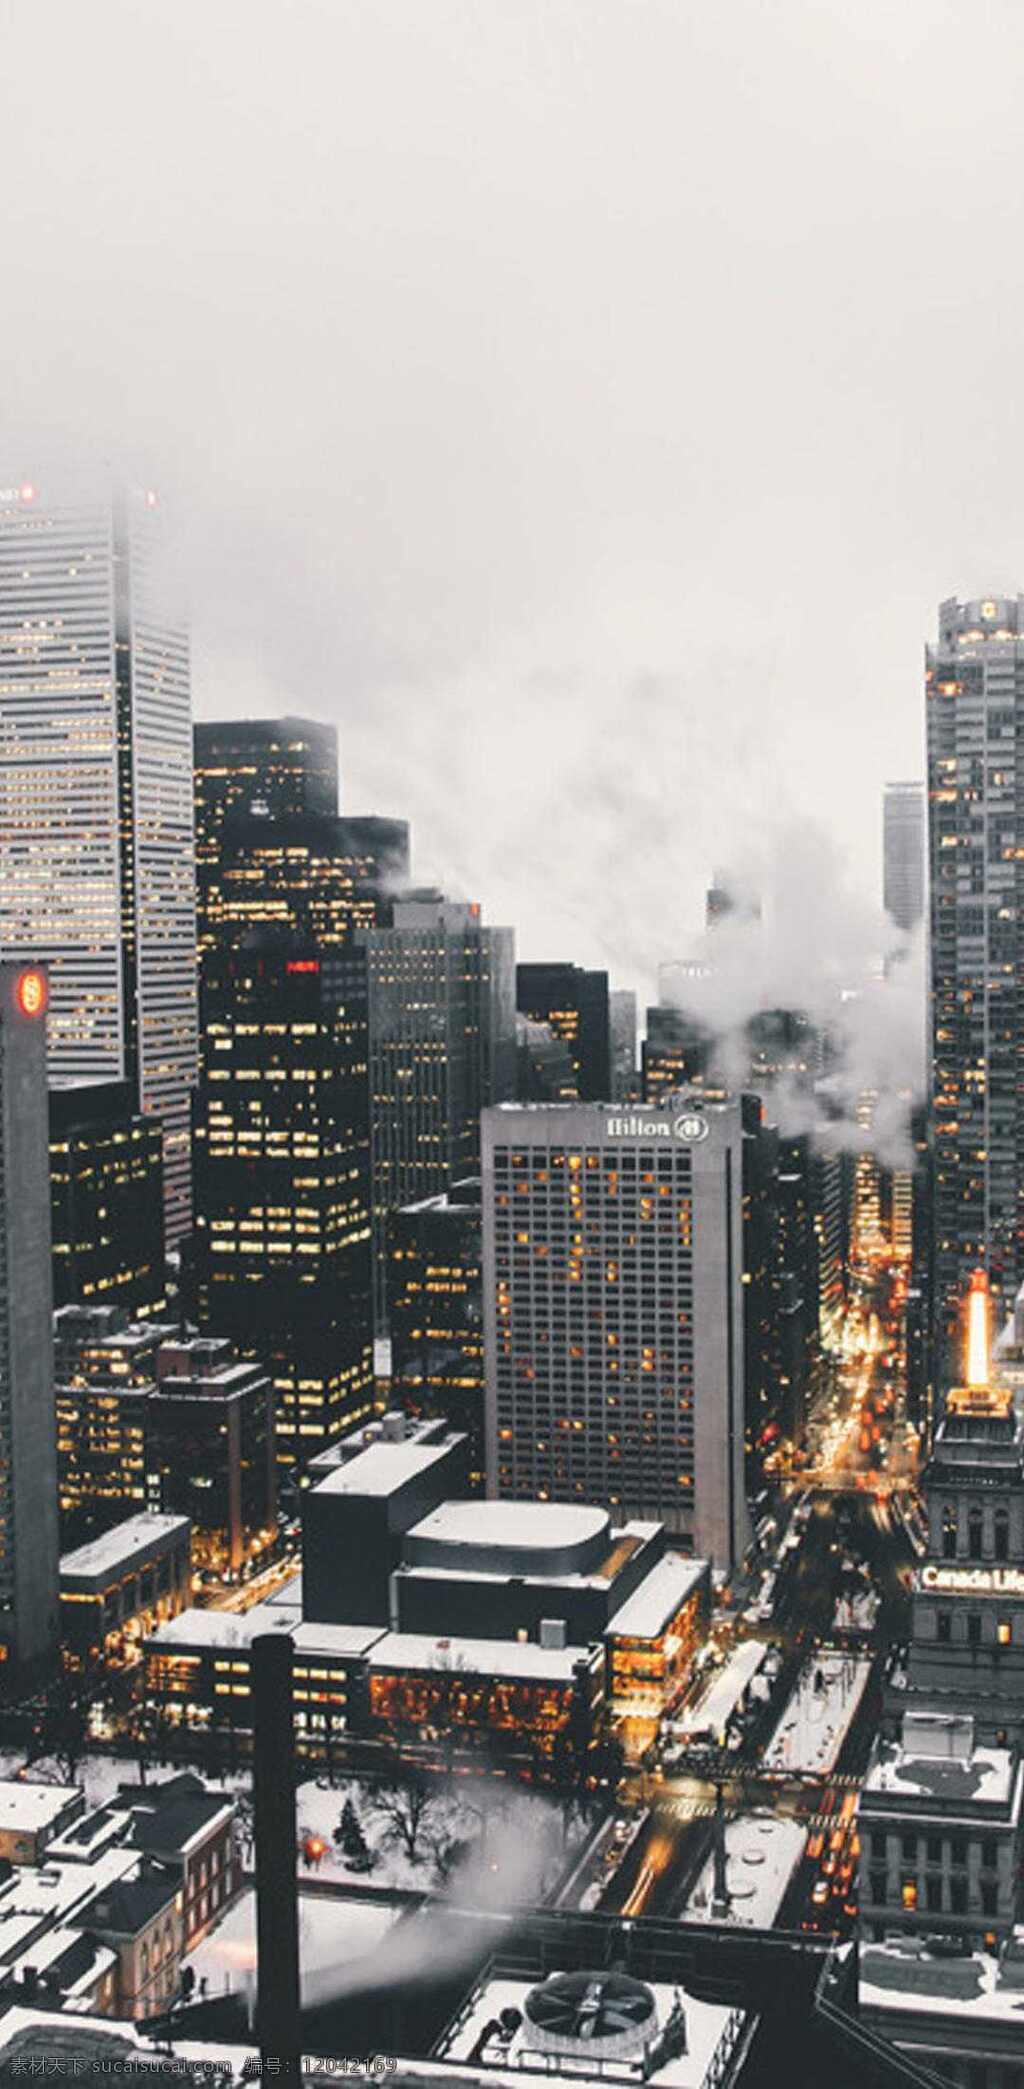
x=648 y=1610
x=815 y=1722
x=382 y=1468
x=985 y=1778
x=527 y=1526
x=711 y=2030
x=118 y=1549
x=901 y=1976
x=761 y=1855
x=34 y=1806
x=515 y=1659
x=725 y=1690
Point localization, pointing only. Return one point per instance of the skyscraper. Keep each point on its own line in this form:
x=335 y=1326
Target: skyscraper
x=282 y=1245
x=903 y=850
x=441 y=1044
x=975 y=716
x=574 y=1004
x=97 y=874
x=107 y=1199
x=277 y=765
x=313 y=875
x=613 y=1313
x=29 y=1551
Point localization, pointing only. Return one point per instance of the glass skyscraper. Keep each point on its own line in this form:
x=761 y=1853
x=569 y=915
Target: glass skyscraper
x=975 y=707
x=97 y=873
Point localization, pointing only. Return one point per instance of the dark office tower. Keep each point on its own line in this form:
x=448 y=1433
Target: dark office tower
x=271 y=765
x=277 y=767
x=676 y=1052
x=613 y=1313
x=544 y=1070
x=210 y=1452
x=622 y=1022
x=435 y=1314
x=832 y=1249
x=282 y=1253
x=903 y=851
x=763 y=1424
x=783 y=1045
x=29 y=1551
x=442 y=1046
x=107 y=1198
x=574 y=1004
x=97 y=870
x=975 y=716
x=795 y=1283
x=310 y=875
x=105 y=1368
x=919 y=1332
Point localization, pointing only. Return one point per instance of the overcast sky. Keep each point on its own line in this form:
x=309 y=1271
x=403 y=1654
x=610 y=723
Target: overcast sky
x=584 y=402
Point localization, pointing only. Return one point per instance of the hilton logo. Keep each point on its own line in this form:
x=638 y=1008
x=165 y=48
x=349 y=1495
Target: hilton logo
x=690 y=1128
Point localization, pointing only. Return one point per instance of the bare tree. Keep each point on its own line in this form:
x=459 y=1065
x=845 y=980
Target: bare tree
x=404 y=1803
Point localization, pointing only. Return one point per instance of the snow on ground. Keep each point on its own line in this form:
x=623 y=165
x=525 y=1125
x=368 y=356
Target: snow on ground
x=332 y=1934
x=761 y=1855
x=523 y=1843
x=815 y=1722
x=100 y=1775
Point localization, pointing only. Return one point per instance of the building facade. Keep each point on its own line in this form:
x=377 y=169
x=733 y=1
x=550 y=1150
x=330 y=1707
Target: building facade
x=311 y=875
x=97 y=869
x=282 y=1246
x=975 y=720
x=903 y=854
x=613 y=1314
x=441 y=1047
x=575 y=1005
x=436 y=1314
x=29 y=1548
x=107 y=1198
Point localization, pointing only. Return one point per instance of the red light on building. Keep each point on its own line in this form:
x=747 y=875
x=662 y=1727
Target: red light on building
x=302 y=964
x=30 y=992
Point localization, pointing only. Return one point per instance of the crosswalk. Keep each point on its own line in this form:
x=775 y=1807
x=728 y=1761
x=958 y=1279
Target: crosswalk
x=685 y=1810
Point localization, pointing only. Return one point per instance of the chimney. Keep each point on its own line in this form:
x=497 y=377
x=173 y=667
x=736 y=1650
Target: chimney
x=278 y=2016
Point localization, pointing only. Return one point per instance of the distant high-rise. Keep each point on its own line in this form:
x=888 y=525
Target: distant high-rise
x=441 y=1046
x=29 y=1549
x=282 y=1246
x=574 y=1004
x=97 y=871
x=903 y=851
x=613 y=1313
x=622 y=1027
x=975 y=716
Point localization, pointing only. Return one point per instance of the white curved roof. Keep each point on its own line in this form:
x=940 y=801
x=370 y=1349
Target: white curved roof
x=535 y=1526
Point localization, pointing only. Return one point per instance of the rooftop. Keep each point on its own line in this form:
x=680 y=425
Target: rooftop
x=984 y=1778
x=902 y=1975
x=383 y=1468
x=119 y=1549
x=513 y=1659
x=536 y=1527
x=661 y=1593
x=35 y=1806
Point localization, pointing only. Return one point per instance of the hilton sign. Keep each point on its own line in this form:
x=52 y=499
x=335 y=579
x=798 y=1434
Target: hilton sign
x=689 y=1128
x=974 y=1581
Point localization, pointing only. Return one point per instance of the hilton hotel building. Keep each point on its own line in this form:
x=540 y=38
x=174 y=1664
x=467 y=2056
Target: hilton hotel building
x=613 y=1313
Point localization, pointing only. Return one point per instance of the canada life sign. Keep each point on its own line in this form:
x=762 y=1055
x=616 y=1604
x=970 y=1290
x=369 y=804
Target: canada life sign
x=977 y=1581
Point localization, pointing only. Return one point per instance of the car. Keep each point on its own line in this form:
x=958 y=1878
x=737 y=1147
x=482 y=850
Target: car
x=821 y=1894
